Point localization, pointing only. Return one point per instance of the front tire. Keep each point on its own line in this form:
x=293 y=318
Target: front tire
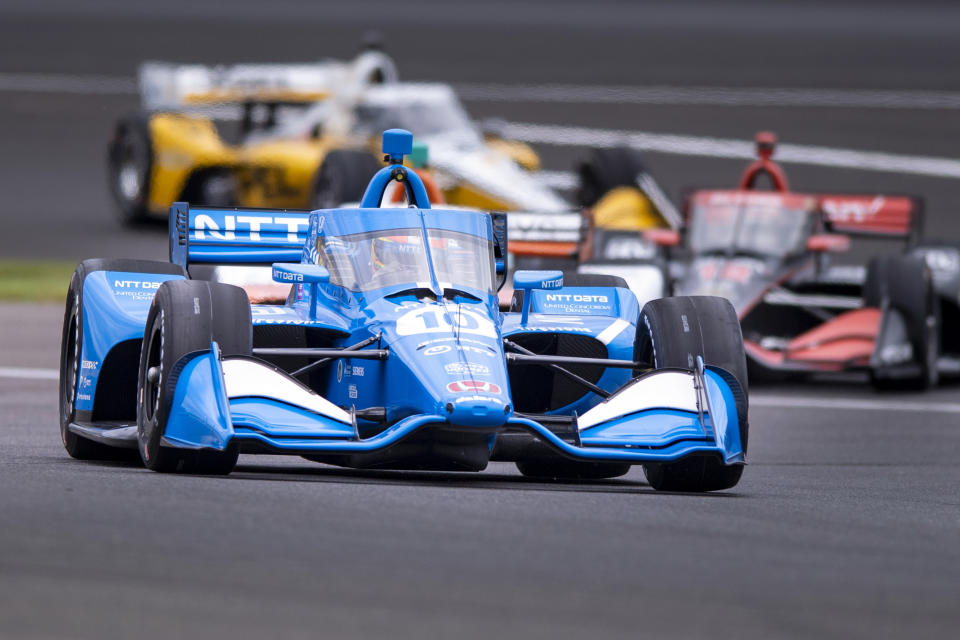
x=71 y=352
x=343 y=177
x=672 y=332
x=606 y=170
x=129 y=166
x=905 y=284
x=186 y=315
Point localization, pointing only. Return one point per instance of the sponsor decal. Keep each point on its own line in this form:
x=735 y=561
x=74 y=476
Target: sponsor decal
x=136 y=284
x=472 y=386
x=628 y=249
x=339 y=370
x=896 y=353
x=475 y=399
x=287 y=276
x=352 y=391
x=851 y=209
x=437 y=350
x=136 y=289
x=573 y=297
x=357 y=371
x=249 y=228
x=549 y=329
x=946 y=260
x=466 y=368
x=83 y=396
x=90 y=364
x=432 y=319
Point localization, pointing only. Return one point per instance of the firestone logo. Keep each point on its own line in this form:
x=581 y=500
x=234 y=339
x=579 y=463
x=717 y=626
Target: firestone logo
x=472 y=386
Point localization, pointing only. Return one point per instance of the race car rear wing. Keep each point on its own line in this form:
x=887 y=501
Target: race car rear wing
x=545 y=234
x=214 y=235
x=873 y=215
x=235 y=236
x=870 y=215
x=181 y=86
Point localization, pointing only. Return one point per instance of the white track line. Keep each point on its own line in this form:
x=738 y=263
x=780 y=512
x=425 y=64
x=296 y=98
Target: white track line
x=710 y=96
x=731 y=148
x=573 y=93
x=756 y=399
x=27 y=373
x=63 y=83
x=851 y=404
x=646 y=141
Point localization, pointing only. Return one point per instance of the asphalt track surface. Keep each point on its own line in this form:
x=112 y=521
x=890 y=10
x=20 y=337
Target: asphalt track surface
x=846 y=521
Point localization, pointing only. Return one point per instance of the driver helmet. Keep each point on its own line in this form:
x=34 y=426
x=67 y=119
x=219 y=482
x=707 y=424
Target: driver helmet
x=396 y=254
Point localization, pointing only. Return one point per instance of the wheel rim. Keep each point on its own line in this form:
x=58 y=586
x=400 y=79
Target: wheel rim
x=151 y=388
x=128 y=181
x=131 y=167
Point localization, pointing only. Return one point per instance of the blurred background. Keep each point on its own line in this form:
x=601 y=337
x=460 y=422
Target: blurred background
x=845 y=524
x=868 y=76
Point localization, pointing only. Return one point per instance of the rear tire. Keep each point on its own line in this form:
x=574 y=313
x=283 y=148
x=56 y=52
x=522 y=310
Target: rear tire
x=607 y=169
x=672 y=332
x=905 y=283
x=71 y=350
x=343 y=177
x=186 y=315
x=129 y=166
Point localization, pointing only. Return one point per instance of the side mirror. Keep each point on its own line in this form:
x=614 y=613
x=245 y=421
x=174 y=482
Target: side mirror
x=662 y=237
x=297 y=273
x=828 y=243
x=527 y=281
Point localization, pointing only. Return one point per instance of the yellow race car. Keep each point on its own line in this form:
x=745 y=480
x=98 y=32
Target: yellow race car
x=303 y=137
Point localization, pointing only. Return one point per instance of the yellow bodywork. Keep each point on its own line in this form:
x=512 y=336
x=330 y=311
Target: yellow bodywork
x=520 y=152
x=626 y=208
x=275 y=173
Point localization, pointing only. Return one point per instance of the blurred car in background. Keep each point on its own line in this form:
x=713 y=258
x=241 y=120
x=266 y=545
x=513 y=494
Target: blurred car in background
x=304 y=136
x=767 y=252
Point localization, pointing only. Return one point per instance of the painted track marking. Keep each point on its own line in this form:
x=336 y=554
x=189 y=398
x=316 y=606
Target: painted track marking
x=645 y=141
x=731 y=148
x=851 y=404
x=574 y=93
x=29 y=373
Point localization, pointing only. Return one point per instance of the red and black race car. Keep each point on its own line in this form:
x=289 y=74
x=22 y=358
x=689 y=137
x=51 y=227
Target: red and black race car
x=767 y=251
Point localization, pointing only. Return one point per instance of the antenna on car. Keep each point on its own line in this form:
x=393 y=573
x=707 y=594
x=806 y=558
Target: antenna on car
x=396 y=144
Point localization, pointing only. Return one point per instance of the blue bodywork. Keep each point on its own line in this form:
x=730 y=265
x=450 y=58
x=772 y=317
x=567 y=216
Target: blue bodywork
x=447 y=377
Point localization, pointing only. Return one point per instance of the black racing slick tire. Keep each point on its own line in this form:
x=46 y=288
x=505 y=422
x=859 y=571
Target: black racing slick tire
x=71 y=349
x=672 y=332
x=129 y=166
x=905 y=283
x=607 y=169
x=343 y=177
x=186 y=315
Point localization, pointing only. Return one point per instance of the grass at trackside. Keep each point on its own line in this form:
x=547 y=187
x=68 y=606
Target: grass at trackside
x=34 y=280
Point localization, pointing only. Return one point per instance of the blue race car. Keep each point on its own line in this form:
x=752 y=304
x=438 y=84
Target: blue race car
x=391 y=352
